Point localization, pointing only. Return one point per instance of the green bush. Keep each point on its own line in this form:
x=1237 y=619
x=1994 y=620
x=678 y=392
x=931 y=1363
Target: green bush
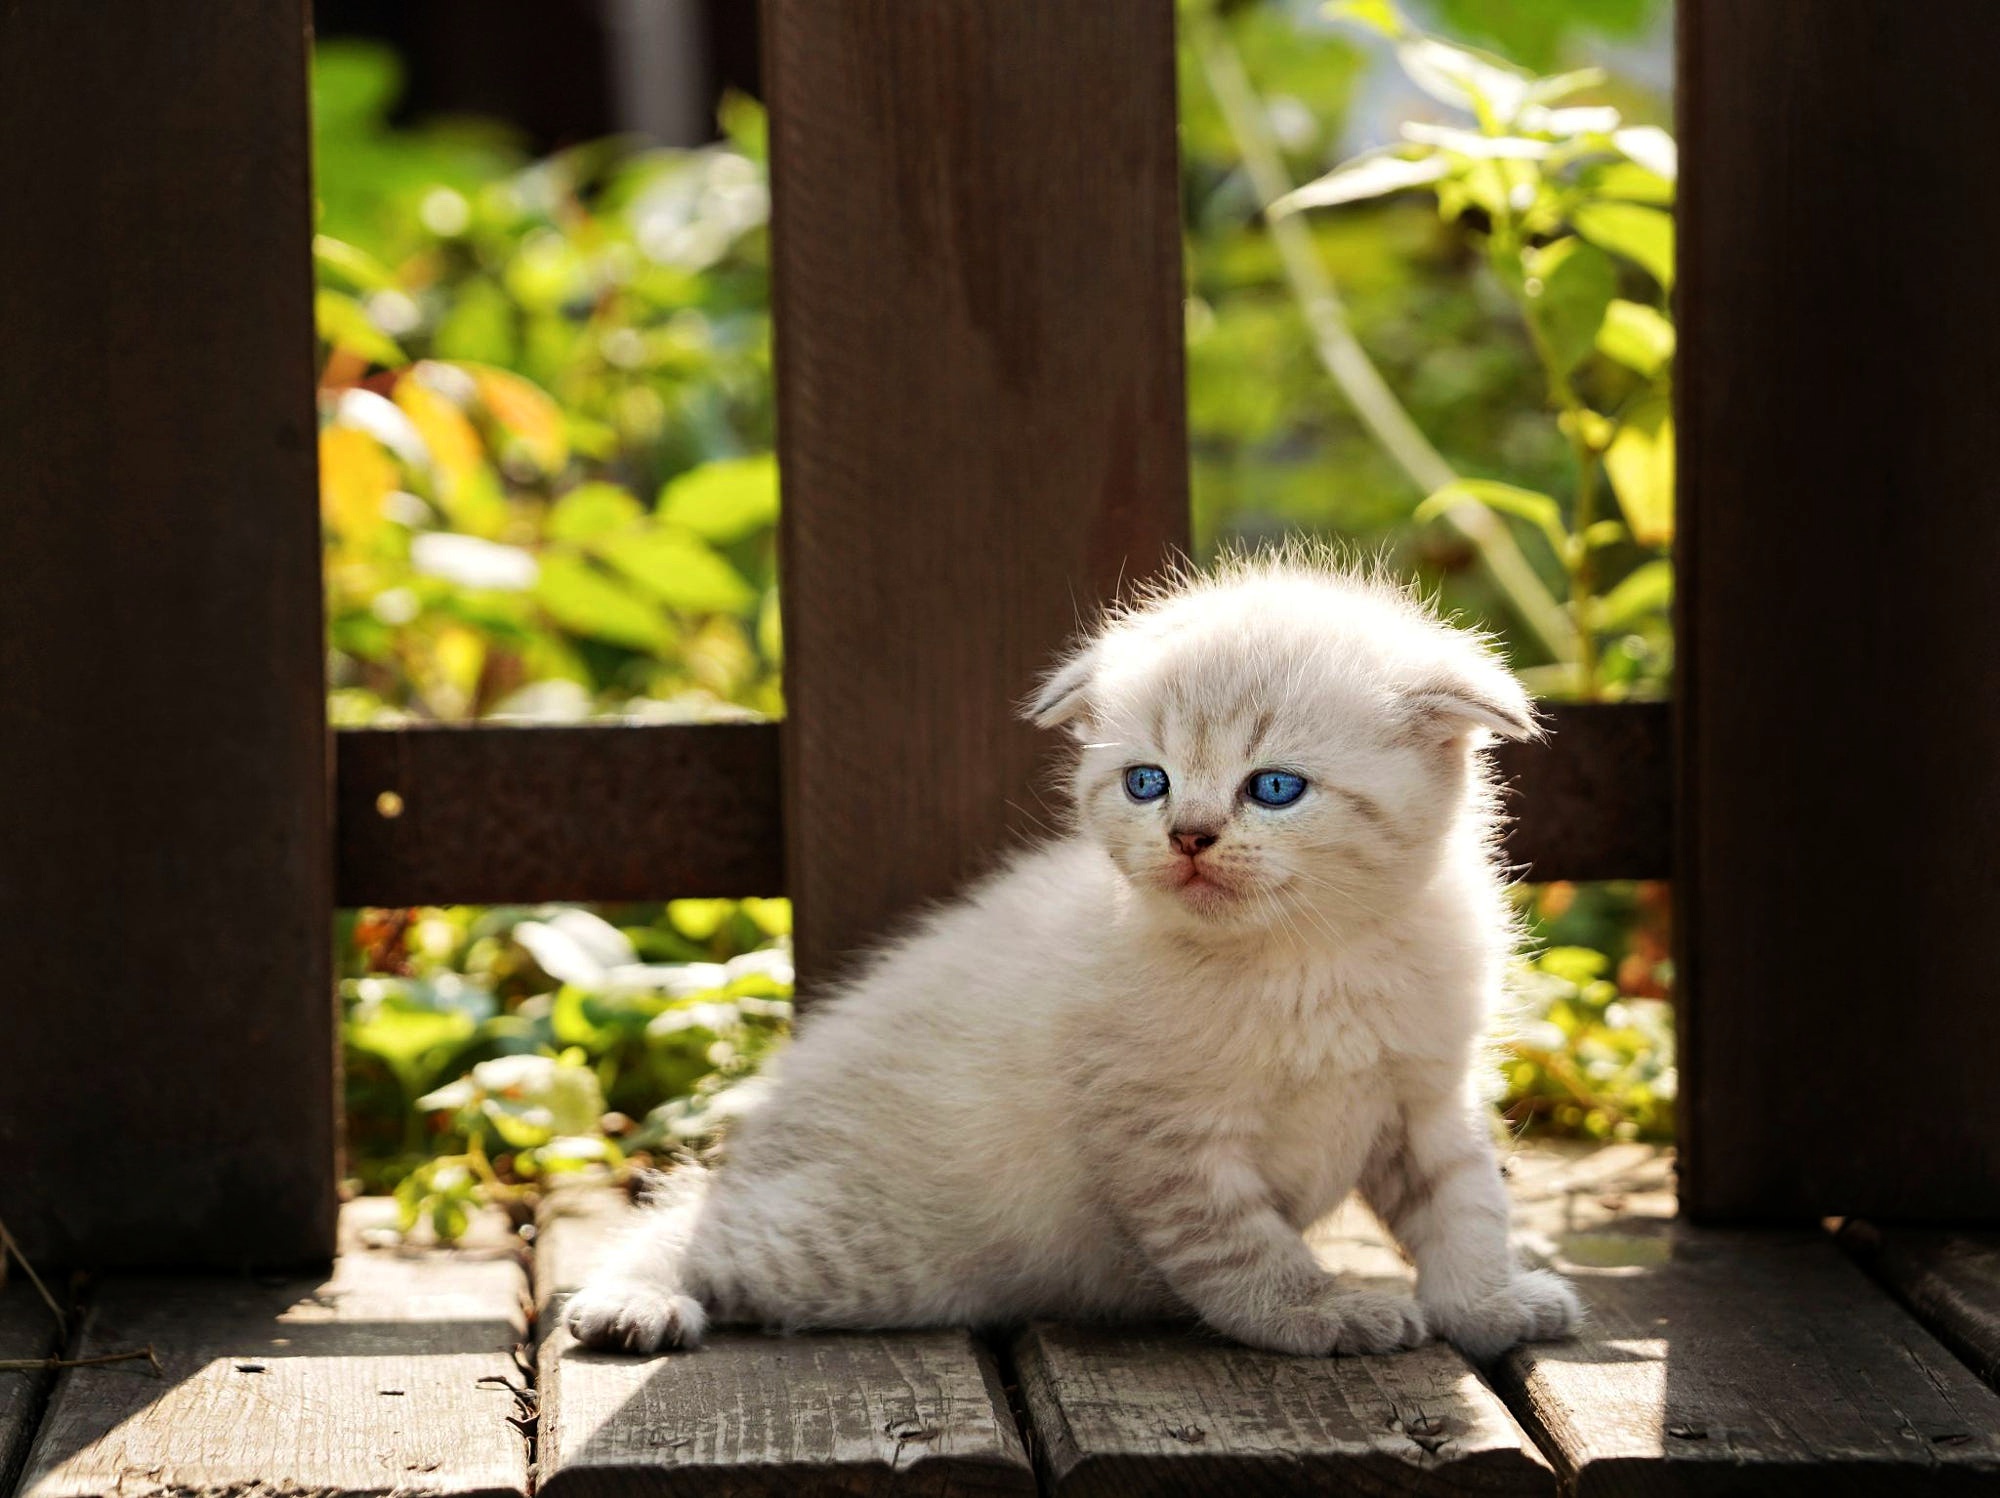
x=548 y=491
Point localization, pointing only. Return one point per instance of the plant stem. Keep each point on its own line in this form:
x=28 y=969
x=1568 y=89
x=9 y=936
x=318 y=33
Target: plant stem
x=1348 y=363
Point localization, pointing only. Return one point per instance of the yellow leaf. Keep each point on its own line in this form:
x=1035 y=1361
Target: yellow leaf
x=355 y=476
x=456 y=453
x=525 y=411
x=1640 y=462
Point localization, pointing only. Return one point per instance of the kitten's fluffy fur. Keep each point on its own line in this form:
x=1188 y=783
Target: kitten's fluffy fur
x=1093 y=1087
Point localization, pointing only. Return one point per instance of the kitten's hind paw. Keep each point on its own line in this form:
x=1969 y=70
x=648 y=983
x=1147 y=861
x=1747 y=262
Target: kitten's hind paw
x=623 y=1317
x=1537 y=1305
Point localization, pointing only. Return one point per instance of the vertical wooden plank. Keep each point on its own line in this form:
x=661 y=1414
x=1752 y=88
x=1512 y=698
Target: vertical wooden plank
x=167 y=1081
x=1838 y=710
x=981 y=425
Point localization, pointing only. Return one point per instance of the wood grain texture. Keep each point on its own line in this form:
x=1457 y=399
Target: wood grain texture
x=1125 y=1412
x=981 y=419
x=1950 y=1280
x=1839 y=713
x=1594 y=799
x=751 y=1414
x=396 y=1375
x=606 y=812
x=657 y=811
x=163 y=761
x=1719 y=1361
x=27 y=1330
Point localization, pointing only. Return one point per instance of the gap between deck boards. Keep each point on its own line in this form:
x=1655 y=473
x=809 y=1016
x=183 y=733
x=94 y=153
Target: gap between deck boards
x=1716 y=1362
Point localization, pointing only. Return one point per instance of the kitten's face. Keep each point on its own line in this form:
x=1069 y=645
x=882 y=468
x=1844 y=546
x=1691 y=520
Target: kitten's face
x=1279 y=751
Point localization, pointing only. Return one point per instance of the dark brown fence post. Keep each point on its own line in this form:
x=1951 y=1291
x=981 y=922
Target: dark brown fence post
x=981 y=422
x=1839 y=845
x=166 y=1052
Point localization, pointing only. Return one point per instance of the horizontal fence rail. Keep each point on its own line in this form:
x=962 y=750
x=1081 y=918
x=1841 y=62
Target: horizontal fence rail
x=616 y=811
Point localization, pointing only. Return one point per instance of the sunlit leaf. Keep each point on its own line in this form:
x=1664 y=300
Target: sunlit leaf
x=344 y=324
x=473 y=562
x=588 y=602
x=1640 y=462
x=1472 y=144
x=725 y=500
x=1570 y=284
x=1637 y=336
x=1478 y=82
x=1644 y=235
x=1645 y=592
x=1373 y=175
x=1378 y=16
x=679 y=569
x=351 y=263
x=1509 y=499
x=525 y=412
x=355 y=477
x=1629 y=182
x=1562 y=85
x=453 y=443
x=591 y=510
x=1652 y=148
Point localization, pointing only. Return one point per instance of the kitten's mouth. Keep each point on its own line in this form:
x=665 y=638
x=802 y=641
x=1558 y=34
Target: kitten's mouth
x=1199 y=886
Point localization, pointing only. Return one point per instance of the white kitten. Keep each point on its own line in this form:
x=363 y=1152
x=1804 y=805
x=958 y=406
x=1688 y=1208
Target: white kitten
x=1120 y=1076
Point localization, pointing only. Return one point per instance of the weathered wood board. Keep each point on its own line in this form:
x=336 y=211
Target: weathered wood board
x=747 y=1413
x=27 y=1330
x=1124 y=1412
x=399 y=1374
x=1735 y=1362
x=1951 y=1281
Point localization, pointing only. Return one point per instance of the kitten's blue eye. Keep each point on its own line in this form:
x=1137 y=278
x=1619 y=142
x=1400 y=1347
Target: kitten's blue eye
x=1274 y=787
x=1145 y=782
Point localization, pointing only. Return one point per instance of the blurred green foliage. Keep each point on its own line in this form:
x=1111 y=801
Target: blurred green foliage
x=548 y=492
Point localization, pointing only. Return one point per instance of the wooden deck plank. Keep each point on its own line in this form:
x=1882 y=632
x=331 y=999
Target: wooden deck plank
x=1735 y=1362
x=1123 y=1412
x=751 y=1414
x=27 y=1330
x=396 y=1375
x=1950 y=1280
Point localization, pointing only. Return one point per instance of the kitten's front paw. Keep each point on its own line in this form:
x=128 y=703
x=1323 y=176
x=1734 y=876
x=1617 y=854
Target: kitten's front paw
x=1373 y=1321
x=1343 y=1322
x=634 y=1318
x=1536 y=1305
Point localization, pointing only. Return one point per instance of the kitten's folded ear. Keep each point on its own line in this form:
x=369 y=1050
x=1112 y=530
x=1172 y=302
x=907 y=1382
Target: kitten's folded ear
x=1477 y=692
x=1064 y=698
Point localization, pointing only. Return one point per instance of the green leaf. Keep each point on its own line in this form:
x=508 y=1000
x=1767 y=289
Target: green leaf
x=1647 y=590
x=1487 y=86
x=679 y=569
x=1537 y=509
x=725 y=500
x=1644 y=235
x=585 y=601
x=351 y=263
x=1562 y=85
x=1651 y=148
x=591 y=510
x=1637 y=336
x=1569 y=287
x=1640 y=462
x=343 y=324
x=1374 y=175
x=1623 y=181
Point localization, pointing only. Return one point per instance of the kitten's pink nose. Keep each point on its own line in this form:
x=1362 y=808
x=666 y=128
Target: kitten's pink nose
x=1191 y=840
